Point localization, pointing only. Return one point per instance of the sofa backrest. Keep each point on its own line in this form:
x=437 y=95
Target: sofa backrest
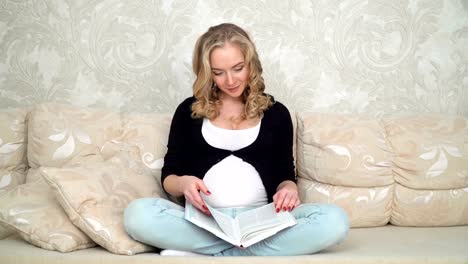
x=410 y=171
x=430 y=168
x=61 y=135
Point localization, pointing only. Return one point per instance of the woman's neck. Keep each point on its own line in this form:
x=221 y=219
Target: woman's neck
x=231 y=100
x=231 y=109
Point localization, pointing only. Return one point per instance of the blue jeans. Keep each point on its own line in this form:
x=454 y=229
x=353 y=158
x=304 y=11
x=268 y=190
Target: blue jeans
x=161 y=223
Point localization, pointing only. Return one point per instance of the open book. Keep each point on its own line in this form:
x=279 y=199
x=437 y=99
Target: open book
x=246 y=228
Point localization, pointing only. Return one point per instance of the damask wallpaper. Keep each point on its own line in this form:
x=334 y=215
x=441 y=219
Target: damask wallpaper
x=379 y=57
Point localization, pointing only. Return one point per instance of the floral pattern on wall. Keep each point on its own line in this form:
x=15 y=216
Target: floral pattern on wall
x=379 y=57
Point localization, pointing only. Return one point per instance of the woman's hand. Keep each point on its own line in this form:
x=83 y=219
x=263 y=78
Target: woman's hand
x=286 y=197
x=189 y=187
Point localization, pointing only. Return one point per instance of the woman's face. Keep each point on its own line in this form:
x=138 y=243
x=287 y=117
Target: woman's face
x=229 y=70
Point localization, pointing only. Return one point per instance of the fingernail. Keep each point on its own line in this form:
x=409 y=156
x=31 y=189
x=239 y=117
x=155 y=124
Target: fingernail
x=208 y=192
x=204 y=206
x=284 y=208
x=289 y=208
x=277 y=210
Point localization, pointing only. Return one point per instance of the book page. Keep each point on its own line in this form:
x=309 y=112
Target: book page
x=246 y=228
x=206 y=222
x=261 y=216
x=260 y=234
x=225 y=222
x=263 y=222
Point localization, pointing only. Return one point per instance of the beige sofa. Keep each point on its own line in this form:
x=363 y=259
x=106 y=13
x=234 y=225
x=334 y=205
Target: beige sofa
x=66 y=174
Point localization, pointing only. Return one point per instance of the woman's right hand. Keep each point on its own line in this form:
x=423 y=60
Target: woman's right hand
x=191 y=186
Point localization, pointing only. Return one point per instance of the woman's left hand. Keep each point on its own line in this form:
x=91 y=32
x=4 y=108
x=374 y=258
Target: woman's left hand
x=286 y=197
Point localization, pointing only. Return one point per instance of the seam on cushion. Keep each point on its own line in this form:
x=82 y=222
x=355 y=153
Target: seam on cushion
x=299 y=122
x=295 y=141
x=392 y=155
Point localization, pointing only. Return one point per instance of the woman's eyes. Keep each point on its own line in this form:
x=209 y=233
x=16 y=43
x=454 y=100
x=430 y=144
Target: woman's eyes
x=235 y=69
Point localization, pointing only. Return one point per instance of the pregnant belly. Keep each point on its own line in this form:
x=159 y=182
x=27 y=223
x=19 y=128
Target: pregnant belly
x=234 y=183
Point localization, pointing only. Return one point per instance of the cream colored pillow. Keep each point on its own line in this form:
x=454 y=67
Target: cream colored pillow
x=95 y=196
x=430 y=207
x=129 y=155
x=149 y=132
x=12 y=153
x=32 y=210
x=6 y=230
x=431 y=170
x=346 y=160
x=365 y=207
x=431 y=151
x=12 y=144
x=60 y=135
x=343 y=150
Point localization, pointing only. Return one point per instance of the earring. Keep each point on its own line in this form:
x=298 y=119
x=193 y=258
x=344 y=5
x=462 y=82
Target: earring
x=214 y=86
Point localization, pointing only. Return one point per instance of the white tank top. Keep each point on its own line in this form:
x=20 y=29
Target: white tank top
x=232 y=182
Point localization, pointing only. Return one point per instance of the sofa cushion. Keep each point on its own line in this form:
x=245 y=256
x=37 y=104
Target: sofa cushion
x=148 y=132
x=95 y=195
x=365 y=207
x=32 y=210
x=387 y=245
x=430 y=169
x=413 y=207
x=345 y=160
x=431 y=151
x=13 y=162
x=411 y=171
x=12 y=144
x=61 y=135
x=343 y=150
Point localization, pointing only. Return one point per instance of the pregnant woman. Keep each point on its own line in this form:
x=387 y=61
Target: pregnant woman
x=232 y=143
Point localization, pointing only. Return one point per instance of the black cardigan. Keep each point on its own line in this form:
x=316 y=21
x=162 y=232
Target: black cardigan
x=270 y=154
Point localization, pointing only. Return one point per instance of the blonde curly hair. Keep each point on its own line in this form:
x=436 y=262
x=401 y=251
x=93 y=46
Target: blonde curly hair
x=204 y=89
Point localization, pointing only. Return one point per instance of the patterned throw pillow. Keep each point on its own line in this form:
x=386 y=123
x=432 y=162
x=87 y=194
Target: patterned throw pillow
x=32 y=210
x=13 y=161
x=95 y=195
